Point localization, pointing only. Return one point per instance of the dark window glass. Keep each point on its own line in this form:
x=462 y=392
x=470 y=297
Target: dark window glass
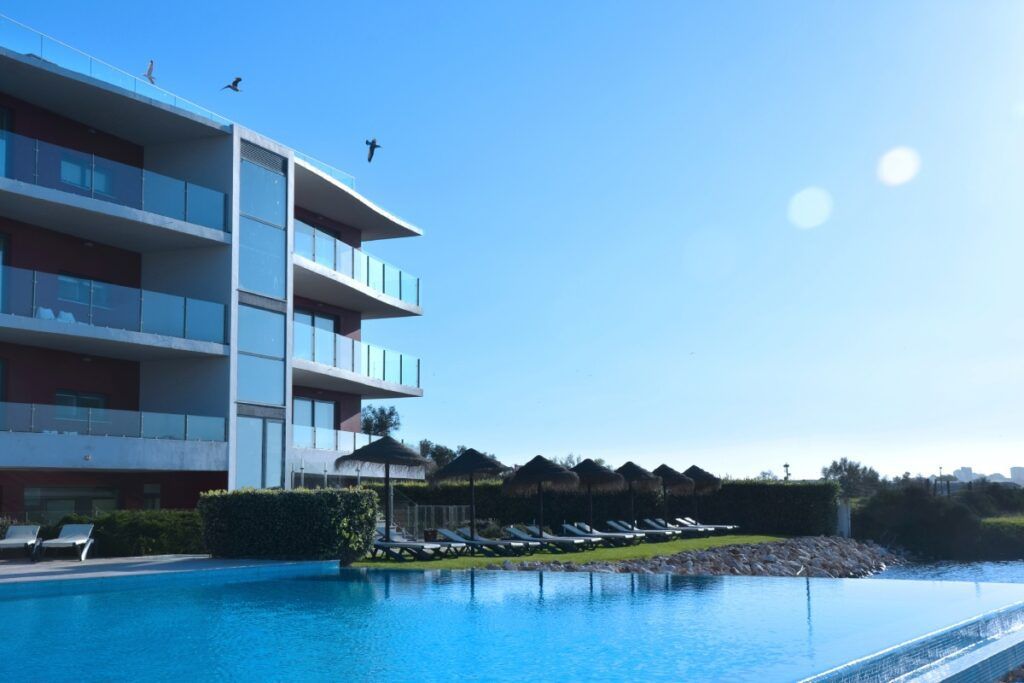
x=262 y=259
x=249 y=453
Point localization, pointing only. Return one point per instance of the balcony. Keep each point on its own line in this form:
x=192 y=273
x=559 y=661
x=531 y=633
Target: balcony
x=325 y=360
x=333 y=272
x=85 y=316
x=317 y=448
x=82 y=194
x=37 y=436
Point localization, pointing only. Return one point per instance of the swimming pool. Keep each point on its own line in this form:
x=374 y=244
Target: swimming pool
x=404 y=625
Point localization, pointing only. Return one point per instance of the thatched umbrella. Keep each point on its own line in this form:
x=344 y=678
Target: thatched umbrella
x=638 y=479
x=596 y=478
x=673 y=482
x=385 y=451
x=534 y=475
x=471 y=463
x=703 y=483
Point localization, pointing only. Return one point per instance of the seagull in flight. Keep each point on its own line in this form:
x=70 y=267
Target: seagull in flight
x=372 y=144
x=149 y=73
x=233 y=85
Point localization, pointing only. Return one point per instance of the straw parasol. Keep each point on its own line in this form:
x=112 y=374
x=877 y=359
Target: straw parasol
x=703 y=483
x=673 y=482
x=471 y=463
x=534 y=475
x=596 y=478
x=385 y=451
x=637 y=479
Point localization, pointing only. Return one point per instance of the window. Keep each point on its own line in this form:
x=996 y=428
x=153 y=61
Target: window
x=51 y=504
x=315 y=337
x=262 y=260
x=259 y=459
x=261 y=351
x=75 y=405
x=313 y=423
x=263 y=193
x=151 y=496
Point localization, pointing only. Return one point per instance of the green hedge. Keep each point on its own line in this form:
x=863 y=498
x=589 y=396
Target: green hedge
x=300 y=524
x=925 y=524
x=786 y=508
x=131 y=533
x=1002 y=538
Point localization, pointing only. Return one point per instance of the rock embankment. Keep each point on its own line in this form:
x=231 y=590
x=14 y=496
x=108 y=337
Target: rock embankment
x=817 y=556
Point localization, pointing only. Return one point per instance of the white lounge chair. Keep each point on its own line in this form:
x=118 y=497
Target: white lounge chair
x=614 y=537
x=692 y=522
x=21 y=537
x=66 y=317
x=562 y=544
x=649 y=534
x=78 y=537
x=44 y=313
x=658 y=525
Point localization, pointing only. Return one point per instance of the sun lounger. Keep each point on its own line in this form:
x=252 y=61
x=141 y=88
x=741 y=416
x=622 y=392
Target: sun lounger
x=21 y=537
x=448 y=548
x=78 y=537
x=614 y=537
x=649 y=534
x=589 y=541
x=514 y=546
x=401 y=551
x=488 y=547
x=554 y=543
x=717 y=527
x=658 y=525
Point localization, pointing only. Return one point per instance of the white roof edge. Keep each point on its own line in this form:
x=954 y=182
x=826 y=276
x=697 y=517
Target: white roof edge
x=405 y=225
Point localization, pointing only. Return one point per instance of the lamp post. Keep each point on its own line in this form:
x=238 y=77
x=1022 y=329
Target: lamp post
x=786 y=467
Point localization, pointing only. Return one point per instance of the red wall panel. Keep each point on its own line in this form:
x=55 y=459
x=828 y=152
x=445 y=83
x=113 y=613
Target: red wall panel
x=33 y=375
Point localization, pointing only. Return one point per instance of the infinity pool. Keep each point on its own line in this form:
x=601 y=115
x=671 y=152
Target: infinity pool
x=436 y=626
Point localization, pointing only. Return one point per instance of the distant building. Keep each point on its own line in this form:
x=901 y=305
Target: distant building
x=964 y=474
x=1017 y=475
x=997 y=478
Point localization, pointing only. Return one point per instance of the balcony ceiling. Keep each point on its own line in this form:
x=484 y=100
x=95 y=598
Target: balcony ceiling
x=97 y=104
x=317 y=192
x=318 y=376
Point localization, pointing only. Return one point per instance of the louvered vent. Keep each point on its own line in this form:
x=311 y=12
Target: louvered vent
x=266 y=159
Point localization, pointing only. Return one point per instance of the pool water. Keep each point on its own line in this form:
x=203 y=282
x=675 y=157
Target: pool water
x=432 y=626
x=998 y=572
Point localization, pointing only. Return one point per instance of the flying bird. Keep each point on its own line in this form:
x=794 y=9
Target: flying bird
x=149 y=73
x=233 y=85
x=372 y=144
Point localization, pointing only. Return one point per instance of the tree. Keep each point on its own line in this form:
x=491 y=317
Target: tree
x=853 y=478
x=380 y=420
x=768 y=475
x=440 y=455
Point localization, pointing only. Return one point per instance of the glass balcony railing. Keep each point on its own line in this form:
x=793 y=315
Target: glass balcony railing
x=324 y=346
x=344 y=178
x=320 y=438
x=55 y=419
x=68 y=299
x=329 y=251
x=41 y=163
x=22 y=39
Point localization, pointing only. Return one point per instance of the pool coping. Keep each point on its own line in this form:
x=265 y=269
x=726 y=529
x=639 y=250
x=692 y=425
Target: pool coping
x=981 y=648
x=128 y=573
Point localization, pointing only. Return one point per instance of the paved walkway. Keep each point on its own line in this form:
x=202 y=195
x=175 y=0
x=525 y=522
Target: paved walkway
x=21 y=571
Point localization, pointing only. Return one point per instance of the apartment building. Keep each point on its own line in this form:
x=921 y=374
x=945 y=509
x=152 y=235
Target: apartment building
x=181 y=299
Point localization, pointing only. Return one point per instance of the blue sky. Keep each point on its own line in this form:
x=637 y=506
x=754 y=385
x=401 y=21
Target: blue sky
x=608 y=267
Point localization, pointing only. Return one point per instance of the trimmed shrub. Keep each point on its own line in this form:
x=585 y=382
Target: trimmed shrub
x=1002 y=538
x=925 y=524
x=131 y=533
x=5 y=524
x=786 y=508
x=322 y=524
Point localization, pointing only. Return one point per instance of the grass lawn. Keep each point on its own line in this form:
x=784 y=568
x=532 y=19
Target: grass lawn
x=1009 y=520
x=633 y=552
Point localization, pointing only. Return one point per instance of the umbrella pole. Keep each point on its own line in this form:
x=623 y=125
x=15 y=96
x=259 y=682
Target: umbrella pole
x=540 y=515
x=387 y=502
x=664 y=499
x=472 y=506
x=632 y=511
x=590 y=506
